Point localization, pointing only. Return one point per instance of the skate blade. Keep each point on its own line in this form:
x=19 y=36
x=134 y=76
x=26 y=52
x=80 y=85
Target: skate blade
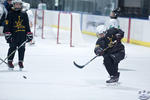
x=20 y=69
x=10 y=69
x=113 y=84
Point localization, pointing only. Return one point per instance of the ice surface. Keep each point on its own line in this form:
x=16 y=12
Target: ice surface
x=51 y=74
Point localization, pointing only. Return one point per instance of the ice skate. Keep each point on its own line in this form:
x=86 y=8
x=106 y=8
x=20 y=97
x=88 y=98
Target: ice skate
x=113 y=79
x=10 y=69
x=20 y=66
x=20 y=69
x=10 y=66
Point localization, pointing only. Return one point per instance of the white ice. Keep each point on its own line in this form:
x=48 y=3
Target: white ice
x=51 y=74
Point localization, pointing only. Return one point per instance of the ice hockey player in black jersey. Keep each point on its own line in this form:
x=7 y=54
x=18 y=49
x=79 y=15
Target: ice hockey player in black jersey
x=4 y=9
x=113 y=51
x=17 y=31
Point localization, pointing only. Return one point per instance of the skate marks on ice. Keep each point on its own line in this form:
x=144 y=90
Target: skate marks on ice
x=114 y=86
x=6 y=70
x=120 y=86
x=125 y=69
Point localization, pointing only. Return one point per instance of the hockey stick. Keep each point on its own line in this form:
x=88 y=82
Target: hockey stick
x=81 y=66
x=15 y=64
x=4 y=61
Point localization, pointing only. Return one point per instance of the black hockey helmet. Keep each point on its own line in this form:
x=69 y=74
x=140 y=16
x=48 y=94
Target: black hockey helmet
x=116 y=12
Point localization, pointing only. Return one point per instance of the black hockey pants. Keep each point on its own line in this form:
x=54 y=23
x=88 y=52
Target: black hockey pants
x=21 y=51
x=111 y=66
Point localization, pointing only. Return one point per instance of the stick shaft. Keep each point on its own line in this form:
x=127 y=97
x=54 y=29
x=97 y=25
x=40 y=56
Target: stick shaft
x=91 y=60
x=3 y=61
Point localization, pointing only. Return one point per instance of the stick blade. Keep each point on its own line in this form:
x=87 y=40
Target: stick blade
x=77 y=65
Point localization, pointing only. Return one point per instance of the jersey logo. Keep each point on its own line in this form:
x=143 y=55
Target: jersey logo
x=110 y=42
x=19 y=25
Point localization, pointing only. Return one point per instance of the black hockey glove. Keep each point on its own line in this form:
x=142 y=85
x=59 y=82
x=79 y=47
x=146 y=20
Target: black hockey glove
x=98 y=51
x=8 y=37
x=118 y=37
x=29 y=36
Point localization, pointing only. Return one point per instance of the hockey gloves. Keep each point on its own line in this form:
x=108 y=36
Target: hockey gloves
x=29 y=36
x=98 y=51
x=119 y=35
x=8 y=37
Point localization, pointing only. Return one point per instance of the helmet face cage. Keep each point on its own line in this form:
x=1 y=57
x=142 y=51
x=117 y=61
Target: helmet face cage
x=17 y=1
x=100 y=35
x=101 y=30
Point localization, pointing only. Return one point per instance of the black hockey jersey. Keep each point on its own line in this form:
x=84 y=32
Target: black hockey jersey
x=17 y=23
x=110 y=41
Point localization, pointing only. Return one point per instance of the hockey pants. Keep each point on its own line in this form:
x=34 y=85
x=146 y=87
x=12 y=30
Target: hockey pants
x=13 y=47
x=111 y=66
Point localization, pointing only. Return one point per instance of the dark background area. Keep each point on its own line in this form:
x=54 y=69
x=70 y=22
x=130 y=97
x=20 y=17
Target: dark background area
x=129 y=8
